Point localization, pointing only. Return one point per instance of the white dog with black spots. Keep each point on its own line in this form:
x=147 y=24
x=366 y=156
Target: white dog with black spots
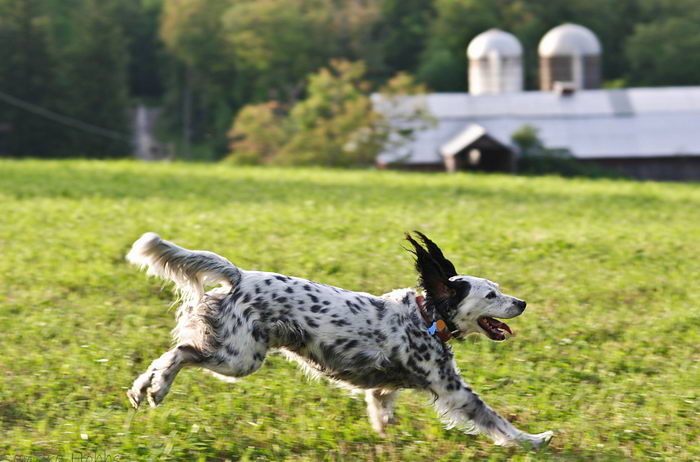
x=380 y=344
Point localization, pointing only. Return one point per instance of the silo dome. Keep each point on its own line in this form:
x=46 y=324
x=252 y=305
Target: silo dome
x=569 y=39
x=570 y=54
x=495 y=63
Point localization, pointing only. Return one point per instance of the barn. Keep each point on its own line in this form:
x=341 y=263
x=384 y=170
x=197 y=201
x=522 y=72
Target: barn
x=646 y=133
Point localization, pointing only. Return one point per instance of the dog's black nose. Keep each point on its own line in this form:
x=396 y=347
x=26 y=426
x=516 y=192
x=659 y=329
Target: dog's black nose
x=521 y=304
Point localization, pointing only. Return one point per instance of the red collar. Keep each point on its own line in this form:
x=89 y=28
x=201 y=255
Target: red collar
x=438 y=327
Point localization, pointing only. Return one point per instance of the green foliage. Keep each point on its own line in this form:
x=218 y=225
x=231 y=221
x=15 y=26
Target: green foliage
x=96 y=68
x=27 y=72
x=536 y=159
x=259 y=132
x=665 y=52
x=607 y=353
x=276 y=43
x=527 y=139
x=336 y=125
x=204 y=60
x=83 y=74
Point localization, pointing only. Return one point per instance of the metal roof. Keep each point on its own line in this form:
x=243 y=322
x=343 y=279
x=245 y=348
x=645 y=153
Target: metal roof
x=634 y=122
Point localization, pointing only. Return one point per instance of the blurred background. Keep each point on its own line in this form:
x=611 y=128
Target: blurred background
x=290 y=81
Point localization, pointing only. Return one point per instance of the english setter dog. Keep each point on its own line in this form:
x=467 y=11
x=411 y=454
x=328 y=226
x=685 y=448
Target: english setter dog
x=379 y=344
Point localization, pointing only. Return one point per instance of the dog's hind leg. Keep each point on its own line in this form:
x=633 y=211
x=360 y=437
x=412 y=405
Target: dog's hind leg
x=155 y=383
x=380 y=407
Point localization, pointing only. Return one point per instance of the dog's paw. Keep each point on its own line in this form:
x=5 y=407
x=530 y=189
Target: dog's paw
x=537 y=441
x=138 y=390
x=155 y=395
x=135 y=398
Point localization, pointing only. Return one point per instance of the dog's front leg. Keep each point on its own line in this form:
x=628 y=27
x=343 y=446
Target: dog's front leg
x=458 y=405
x=156 y=381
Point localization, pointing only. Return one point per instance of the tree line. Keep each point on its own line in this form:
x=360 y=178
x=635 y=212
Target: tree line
x=72 y=70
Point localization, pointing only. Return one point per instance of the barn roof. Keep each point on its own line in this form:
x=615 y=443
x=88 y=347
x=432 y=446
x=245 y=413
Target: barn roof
x=633 y=122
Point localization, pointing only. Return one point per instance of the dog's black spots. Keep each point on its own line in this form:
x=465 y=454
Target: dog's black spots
x=231 y=350
x=287 y=306
x=366 y=333
x=281 y=299
x=340 y=322
x=394 y=351
x=328 y=351
x=300 y=302
x=257 y=289
x=311 y=322
x=361 y=358
x=369 y=323
x=307 y=287
x=289 y=290
x=194 y=353
x=247 y=313
x=259 y=334
x=281 y=278
x=353 y=307
x=324 y=311
x=236 y=295
x=340 y=341
x=268 y=281
x=394 y=329
x=413 y=365
x=381 y=308
x=379 y=336
x=262 y=305
x=246 y=298
x=313 y=298
x=262 y=314
x=315 y=308
x=491 y=294
x=326 y=302
x=258 y=356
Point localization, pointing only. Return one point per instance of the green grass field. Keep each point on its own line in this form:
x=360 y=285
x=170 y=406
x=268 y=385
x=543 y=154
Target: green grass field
x=607 y=354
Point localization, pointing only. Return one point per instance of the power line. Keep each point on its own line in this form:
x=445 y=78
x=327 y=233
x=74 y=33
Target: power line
x=62 y=119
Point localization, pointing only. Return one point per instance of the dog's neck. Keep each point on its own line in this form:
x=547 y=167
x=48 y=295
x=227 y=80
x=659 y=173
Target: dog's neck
x=437 y=326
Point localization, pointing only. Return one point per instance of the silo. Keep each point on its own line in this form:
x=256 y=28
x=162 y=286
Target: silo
x=495 y=63
x=570 y=57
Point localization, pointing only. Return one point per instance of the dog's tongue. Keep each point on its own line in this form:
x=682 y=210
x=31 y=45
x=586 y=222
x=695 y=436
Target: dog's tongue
x=501 y=325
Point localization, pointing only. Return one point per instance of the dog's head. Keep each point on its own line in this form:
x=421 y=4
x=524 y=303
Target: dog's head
x=467 y=304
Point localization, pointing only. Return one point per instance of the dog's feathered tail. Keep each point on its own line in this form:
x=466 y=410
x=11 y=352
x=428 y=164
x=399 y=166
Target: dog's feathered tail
x=190 y=270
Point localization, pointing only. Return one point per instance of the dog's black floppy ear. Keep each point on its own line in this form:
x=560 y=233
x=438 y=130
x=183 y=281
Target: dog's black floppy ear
x=447 y=267
x=432 y=277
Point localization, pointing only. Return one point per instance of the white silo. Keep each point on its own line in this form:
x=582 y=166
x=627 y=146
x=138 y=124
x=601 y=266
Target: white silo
x=495 y=63
x=569 y=57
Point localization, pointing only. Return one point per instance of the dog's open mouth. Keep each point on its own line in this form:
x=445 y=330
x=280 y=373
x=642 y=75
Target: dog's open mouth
x=495 y=329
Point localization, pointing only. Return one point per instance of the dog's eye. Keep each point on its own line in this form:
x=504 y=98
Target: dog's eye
x=491 y=294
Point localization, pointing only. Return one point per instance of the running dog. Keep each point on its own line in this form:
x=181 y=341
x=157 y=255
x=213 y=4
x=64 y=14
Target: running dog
x=379 y=344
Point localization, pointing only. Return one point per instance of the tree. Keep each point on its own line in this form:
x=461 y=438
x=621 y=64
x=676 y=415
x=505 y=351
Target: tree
x=204 y=88
x=337 y=124
x=665 y=52
x=27 y=72
x=259 y=132
x=96 y=74
x=405 y=27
